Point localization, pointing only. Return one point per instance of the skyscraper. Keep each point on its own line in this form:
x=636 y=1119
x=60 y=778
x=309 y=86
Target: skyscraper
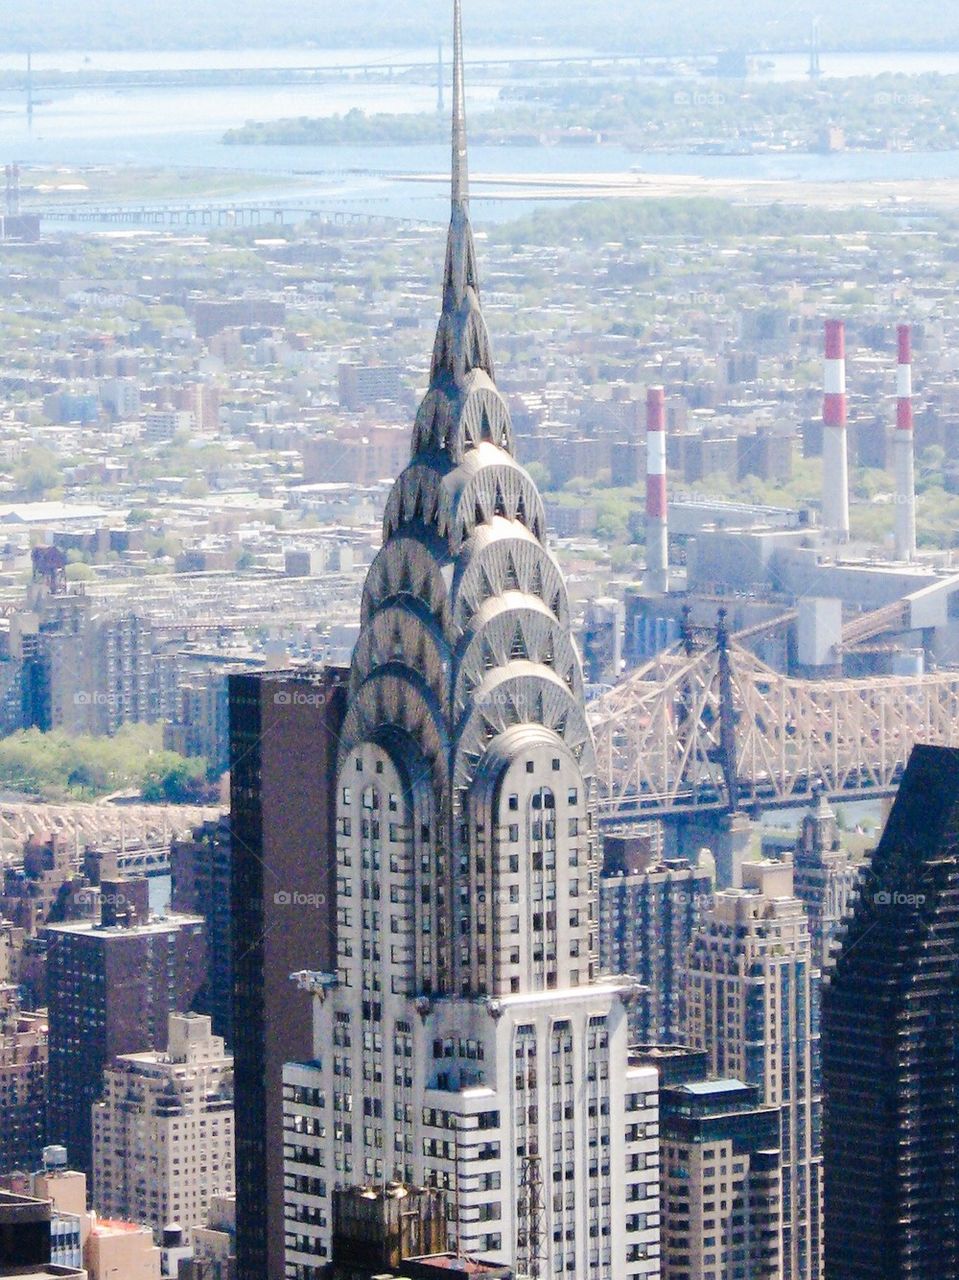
x=721 y=1174
x=163 y=1130
x=824 y=876
x=112 y=987
x=463 y=1040
x=201 y=870
x=23 y=1083
x=648 y=913
x=752 y=1005
x=890 y=1022
x=284 y=735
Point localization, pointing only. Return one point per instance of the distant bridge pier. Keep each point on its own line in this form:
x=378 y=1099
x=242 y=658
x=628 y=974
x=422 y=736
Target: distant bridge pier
x=728 y=837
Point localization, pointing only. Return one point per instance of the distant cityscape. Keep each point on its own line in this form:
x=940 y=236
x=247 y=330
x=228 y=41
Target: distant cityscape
x=479 y=721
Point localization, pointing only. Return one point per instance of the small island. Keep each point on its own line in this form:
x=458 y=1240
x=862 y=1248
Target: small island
x=355 y=128
x=645 y=114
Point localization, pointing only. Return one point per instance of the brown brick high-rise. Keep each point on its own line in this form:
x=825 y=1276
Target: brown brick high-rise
x=111 y=989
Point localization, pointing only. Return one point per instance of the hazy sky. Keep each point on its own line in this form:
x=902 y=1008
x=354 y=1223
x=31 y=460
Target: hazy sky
x=665 y=24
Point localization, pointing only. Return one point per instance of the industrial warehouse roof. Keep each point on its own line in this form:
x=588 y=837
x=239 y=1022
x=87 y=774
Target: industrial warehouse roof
x=50 y=512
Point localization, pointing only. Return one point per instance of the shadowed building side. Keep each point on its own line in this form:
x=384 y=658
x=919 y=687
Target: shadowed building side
x=284 y=731
x=890 y=1039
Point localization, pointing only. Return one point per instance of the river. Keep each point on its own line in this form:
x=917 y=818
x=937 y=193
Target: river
x=184 y=127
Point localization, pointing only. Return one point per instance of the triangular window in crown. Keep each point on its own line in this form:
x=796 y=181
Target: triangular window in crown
x=518 y=647
x=511 y=577
x=499 y=502
x=477 y=348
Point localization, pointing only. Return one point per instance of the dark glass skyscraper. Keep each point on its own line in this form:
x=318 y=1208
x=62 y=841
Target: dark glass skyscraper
x=890 y=1041
x=284 y=729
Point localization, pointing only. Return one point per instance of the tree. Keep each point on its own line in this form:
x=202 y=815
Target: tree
x=37 y=472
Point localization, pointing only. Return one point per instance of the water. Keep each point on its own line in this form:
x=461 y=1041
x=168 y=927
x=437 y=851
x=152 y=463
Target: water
x=184 y=128
x=161 y=891
x=791 y=66
x=794 y=66
x=233 y=59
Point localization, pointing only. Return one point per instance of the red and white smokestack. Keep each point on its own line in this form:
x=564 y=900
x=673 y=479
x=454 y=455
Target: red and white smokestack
x=657 y=531
x=835 y=465
x=904 y=451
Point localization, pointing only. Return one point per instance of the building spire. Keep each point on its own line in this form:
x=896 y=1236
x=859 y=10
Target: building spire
x=462 y=343
x=460 y=159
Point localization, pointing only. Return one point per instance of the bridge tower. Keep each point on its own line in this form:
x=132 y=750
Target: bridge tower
x=727 y=714
x=12 y=174
x=815 y=44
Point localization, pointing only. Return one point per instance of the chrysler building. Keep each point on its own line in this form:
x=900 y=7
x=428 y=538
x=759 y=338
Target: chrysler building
x=466 y=1039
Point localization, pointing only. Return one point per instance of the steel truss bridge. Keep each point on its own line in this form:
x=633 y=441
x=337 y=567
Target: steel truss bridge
x=718 y=731
x=201 y=213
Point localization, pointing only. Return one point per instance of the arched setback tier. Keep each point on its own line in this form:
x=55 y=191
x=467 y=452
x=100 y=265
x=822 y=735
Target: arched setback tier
x=403 y=630
x=454 y=420
x=504 y=556
x=455 y=500
x=414 y=565
x=396 y=699
x=521 y=693
x=523 y=869
x=509 y=628
x=392 y=870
